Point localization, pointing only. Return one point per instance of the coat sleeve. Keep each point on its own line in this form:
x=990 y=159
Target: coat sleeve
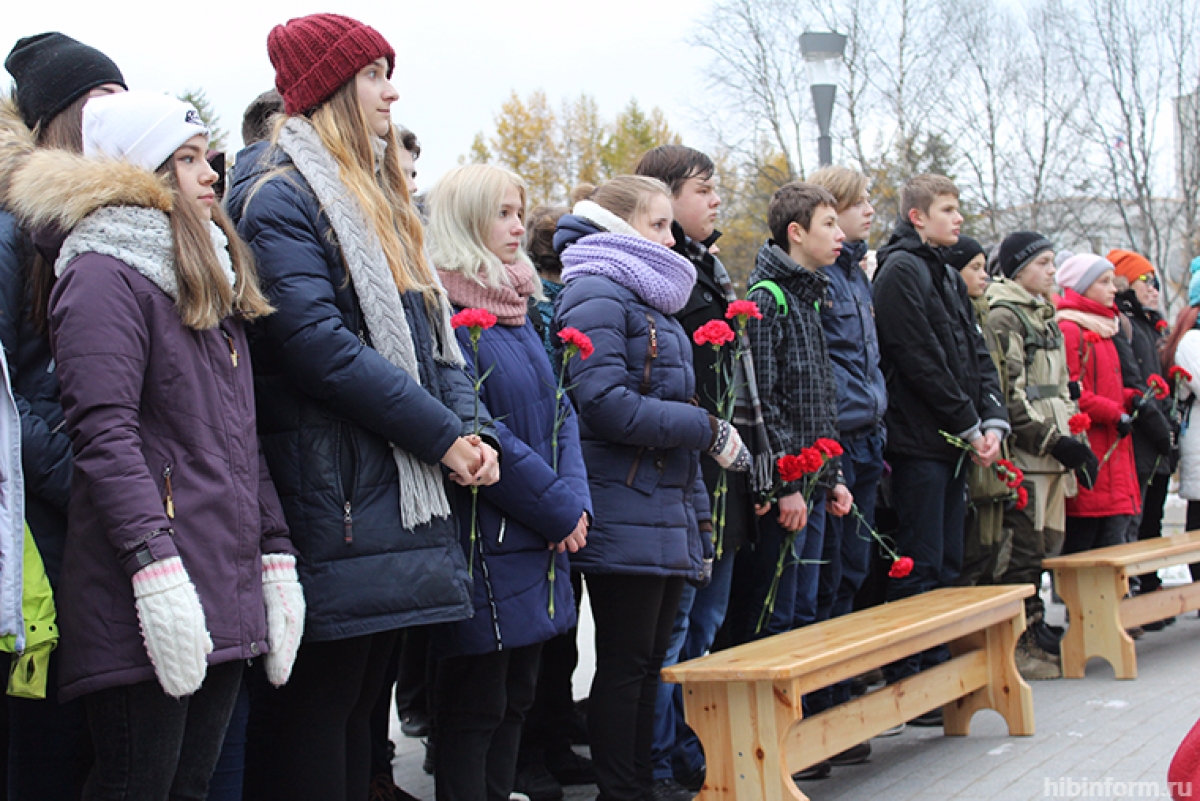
x=45 y=452
x=1101 y=409
x=320 y=355
x=602 y=393
x=993 y=414
x=275 y=537
x=1034 y=433
x=909 y=344
x=98 y=329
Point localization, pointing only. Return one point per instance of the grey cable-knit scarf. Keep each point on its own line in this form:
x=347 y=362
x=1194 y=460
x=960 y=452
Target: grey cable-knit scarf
x=422 y=493
x=141 y=238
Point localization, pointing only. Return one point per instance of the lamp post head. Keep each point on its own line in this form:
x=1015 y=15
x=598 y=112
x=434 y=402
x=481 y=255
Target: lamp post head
x=823 y=51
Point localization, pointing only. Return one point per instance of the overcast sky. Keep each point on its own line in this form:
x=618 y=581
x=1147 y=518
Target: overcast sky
x=456 y=61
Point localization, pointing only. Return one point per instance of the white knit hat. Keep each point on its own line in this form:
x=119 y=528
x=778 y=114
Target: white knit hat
x=143 y=128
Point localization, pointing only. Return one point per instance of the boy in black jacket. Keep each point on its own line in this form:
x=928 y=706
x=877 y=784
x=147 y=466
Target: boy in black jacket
x=940 y=380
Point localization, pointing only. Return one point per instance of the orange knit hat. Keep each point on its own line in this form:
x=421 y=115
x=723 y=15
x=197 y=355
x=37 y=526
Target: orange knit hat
x=1130 y=265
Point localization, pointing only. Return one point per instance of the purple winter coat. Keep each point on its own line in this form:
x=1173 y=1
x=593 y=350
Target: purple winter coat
x=143 y=395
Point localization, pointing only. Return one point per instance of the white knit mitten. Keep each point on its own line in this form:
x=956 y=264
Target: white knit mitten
x=285 y=614
x=172 y=625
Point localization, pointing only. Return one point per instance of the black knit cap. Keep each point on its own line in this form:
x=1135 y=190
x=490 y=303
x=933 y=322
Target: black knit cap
x=1020 y=248
x=959 y=254
x=52 y=71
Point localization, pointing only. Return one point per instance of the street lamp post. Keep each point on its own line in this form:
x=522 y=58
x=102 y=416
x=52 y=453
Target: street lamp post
x=823 y=53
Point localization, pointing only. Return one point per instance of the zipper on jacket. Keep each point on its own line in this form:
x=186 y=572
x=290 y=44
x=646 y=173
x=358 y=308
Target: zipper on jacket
x=633 y=468
x=169 y=500
x=347 y=524
x=233 y=354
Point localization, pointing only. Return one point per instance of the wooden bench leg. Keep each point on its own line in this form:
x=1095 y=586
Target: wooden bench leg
x=1093 y=597
x=755 y=716
x=1006 y=692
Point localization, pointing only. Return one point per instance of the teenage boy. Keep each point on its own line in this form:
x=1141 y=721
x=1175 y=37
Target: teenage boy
x=689 y=174
x=1040 y=408
x=799 y=401
x=940 y=380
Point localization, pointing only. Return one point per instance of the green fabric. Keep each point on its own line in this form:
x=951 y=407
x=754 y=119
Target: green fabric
x=27 y=677
x=776 y=292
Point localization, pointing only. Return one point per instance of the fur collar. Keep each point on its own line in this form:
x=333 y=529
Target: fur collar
x=140 y=238
x=45 y=188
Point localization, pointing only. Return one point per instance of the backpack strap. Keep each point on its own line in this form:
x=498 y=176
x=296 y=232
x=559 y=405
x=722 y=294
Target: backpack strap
x=1034 y=340
x=776 y=292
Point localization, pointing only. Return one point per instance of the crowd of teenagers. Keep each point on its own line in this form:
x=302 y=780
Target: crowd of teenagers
x=278 y=442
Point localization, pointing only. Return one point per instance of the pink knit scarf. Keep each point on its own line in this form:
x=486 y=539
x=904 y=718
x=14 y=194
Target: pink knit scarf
x=508 y=303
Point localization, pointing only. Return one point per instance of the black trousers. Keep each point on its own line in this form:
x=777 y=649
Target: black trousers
x=547 y=729
x=311 y=737
x=481 y=701
x=150 y=746
x=633 y=617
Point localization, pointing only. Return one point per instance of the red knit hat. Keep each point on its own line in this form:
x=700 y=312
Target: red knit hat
x=314 y=55
x=1130 y=265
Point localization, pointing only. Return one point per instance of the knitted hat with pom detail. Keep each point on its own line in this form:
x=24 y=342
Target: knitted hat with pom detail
x=315 y=55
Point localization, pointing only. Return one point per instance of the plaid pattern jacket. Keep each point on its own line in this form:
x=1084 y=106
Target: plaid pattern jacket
x=791 y=362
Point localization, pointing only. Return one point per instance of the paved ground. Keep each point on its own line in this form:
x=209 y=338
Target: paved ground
x=1097 y=738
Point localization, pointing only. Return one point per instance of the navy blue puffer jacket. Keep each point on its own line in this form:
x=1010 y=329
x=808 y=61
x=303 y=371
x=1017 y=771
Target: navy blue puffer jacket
x=328 y=407
x=528 y=509
x=641 y=438
x=45 y=447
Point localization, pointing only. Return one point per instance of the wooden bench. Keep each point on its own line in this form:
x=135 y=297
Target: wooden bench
x=744 y=703
x=1093 y=584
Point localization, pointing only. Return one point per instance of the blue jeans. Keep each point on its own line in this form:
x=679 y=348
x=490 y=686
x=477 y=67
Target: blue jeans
x=846 y=551
x=796 y=594
x=930 y=497
x=701 y=612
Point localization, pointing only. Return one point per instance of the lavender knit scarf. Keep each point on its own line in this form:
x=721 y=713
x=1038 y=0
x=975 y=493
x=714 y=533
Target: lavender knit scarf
x=659 y=276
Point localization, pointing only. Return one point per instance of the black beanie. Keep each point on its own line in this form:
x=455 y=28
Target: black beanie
x=959 y=254
x=52 y=71
x=1020 y=248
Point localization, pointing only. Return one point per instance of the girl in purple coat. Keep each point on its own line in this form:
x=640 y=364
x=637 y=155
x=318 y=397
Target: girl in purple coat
x=177 y=567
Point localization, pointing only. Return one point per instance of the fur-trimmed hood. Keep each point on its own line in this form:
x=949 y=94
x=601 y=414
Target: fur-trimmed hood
x=45 y=187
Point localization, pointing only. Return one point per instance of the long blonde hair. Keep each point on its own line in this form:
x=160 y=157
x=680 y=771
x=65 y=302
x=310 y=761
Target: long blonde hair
x=343 y=129
x=462 y=209
x=205 y=297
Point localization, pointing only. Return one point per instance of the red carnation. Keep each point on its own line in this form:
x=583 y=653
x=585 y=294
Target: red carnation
x=714 y=332
x=1015 y=478
x=743 y=308
x=829 y=447
x=1176 y=373
x=790 y=468
x=475 y=319
x=811 y=460
x=1091 y=337
x=1080 y=422
x=901 y=567
x=1158 y=386
x=1161 y=326
x=574 y=338
x=1022 y=498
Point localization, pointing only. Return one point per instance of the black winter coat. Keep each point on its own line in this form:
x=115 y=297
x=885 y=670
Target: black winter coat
x=939 y=374
x=329 y=406
x=1148 y=444
x=45 y=446
x=707 y=302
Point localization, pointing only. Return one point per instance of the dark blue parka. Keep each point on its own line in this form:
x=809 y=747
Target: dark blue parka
x=529 y=508
x=45 y=446
x=328 y=406
x=641 y=447
x=848 y=318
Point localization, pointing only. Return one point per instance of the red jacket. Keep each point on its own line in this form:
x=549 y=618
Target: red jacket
x=1104 y=398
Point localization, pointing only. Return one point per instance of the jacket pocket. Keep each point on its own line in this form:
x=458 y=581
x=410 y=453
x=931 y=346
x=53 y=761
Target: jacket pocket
x=646 y=470
x=347 y=477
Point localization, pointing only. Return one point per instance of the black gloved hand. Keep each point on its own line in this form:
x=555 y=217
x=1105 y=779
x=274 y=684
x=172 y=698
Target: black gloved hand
x=1087 y=472
x=1153 y=425
x=1073 y=390
x=1124 y=426
x=1071 y=453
